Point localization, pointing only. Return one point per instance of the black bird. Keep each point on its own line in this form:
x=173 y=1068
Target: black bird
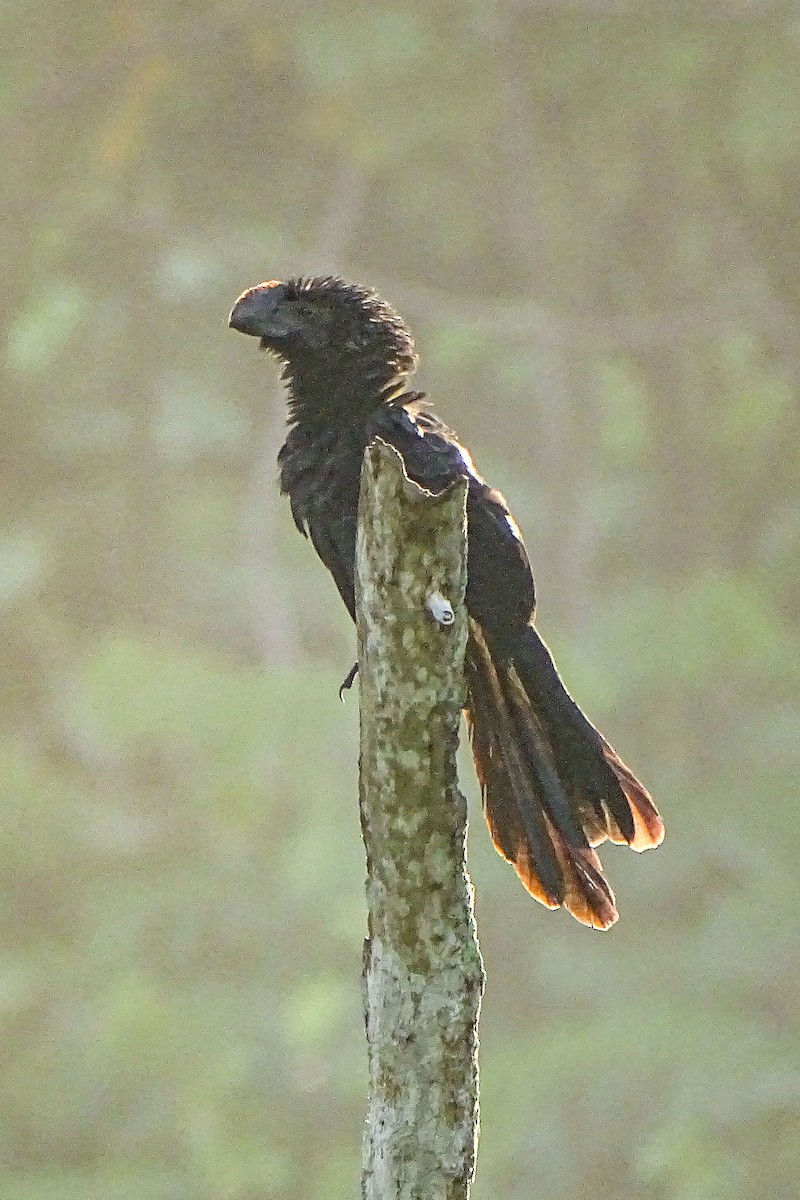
x=553 y=788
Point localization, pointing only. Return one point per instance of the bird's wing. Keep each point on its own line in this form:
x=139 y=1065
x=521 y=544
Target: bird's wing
x=319 y=471
x=334 y=540
x=500 y=590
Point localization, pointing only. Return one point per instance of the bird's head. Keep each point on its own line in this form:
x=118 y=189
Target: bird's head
x=330 y=336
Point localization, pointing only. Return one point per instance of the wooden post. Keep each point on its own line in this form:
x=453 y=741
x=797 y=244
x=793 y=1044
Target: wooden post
x=423 y=975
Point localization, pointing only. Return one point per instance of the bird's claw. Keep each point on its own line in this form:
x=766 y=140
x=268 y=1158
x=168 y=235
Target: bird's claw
x=347 y=682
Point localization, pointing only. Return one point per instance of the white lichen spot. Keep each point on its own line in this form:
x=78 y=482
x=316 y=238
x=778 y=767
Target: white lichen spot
x=440 y=609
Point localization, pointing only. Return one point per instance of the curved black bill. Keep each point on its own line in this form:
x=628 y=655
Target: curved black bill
x=256 y=312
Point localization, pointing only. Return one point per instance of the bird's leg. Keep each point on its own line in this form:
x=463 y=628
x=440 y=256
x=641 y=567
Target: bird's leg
x=347 y=682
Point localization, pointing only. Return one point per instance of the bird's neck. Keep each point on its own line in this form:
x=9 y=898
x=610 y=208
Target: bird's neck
x=348 y=391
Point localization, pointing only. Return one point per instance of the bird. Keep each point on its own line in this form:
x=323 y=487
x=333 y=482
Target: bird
x=553 y=789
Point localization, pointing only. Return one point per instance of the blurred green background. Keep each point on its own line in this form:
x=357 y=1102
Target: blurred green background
x=588 y=211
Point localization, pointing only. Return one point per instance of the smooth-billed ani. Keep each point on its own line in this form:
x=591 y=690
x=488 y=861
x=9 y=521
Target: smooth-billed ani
x=553 y=788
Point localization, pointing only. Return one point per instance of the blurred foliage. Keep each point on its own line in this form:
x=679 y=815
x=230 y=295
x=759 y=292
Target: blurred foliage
x=588 y=213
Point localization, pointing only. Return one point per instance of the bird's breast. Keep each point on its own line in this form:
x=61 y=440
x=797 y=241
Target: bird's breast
x=320 y=472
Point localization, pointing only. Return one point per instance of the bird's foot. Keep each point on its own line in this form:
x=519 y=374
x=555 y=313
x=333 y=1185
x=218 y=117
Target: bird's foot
x=347 y=682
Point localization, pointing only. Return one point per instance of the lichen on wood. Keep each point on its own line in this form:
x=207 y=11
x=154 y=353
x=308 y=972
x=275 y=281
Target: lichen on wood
x=423 y=976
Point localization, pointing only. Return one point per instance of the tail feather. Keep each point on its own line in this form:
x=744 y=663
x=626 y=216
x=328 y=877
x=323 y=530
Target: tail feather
x=518 y=829
x=587 y=895
x=553 y=788
x=648 y=827
x=588 y=777
x=564 y=814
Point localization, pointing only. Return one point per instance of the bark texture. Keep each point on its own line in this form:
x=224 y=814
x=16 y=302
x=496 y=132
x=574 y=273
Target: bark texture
x=423 y=975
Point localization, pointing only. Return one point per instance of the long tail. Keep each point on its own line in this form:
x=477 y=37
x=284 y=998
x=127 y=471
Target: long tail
x=553 y=788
